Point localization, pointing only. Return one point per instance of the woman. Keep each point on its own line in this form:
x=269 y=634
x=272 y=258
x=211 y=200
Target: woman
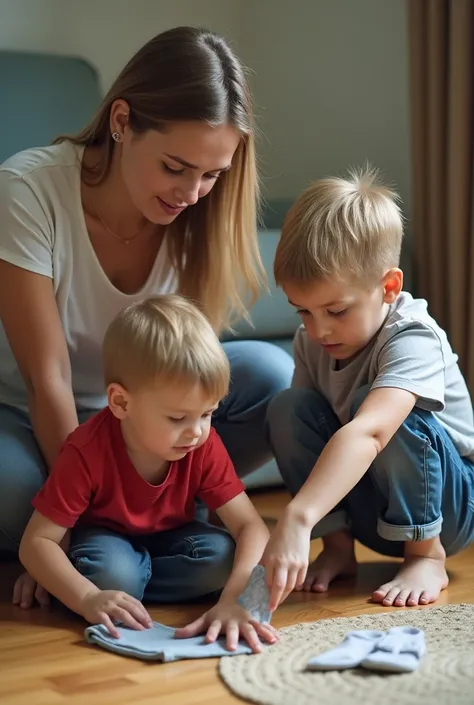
x=158 y=193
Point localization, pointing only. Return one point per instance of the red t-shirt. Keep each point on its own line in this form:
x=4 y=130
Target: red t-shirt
x=93 y=480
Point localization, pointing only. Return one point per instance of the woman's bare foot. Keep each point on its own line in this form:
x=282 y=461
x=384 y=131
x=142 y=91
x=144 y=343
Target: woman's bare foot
x=420 y=579
x=337 y=559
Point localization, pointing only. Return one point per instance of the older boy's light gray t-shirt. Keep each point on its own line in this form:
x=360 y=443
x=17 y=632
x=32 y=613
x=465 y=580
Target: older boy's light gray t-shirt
x=410 y=352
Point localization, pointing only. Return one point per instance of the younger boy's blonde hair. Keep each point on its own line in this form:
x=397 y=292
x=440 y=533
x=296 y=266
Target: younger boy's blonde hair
x=164 y=339
x=347 y=229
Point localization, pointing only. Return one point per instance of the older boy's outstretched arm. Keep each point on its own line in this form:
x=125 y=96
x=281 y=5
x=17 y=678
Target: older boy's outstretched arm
x=345 y=459
x=250 y=535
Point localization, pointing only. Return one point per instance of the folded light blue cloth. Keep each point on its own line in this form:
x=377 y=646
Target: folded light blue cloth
x=158 y=644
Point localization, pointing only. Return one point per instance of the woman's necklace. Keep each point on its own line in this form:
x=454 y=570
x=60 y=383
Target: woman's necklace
x=124 y=241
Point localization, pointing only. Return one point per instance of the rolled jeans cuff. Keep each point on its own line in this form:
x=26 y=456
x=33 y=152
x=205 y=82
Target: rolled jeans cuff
x=417 y=532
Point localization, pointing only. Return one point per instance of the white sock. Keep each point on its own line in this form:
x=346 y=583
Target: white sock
x=400 y=651
x=349 y=654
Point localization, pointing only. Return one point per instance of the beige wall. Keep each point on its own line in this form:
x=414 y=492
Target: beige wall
x=330 y=77
x=106 y=32
x=331 y=85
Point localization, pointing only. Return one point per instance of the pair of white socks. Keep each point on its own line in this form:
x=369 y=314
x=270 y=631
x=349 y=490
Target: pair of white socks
x=397 y=651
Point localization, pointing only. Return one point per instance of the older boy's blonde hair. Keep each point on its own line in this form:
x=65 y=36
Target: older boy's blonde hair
x=164 y=339
x=347 y=229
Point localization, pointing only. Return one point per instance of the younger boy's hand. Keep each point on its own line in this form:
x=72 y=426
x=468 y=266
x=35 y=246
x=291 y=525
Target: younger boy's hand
x=106 y=605
x=26 y=591
x=285 y=560
x=233 y=620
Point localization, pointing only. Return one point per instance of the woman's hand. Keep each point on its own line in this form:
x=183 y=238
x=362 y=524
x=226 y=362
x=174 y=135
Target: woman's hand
x=27 y=590
x=234 y=621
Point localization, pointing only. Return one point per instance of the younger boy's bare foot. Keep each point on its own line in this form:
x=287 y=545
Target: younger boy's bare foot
x=337 y=559
x=420 y=579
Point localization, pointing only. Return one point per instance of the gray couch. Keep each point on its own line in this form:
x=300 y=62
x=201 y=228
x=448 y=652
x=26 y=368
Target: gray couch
x=45 y=95
x=274 y=320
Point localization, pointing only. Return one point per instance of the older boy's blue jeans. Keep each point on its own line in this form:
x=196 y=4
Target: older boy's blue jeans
x=417 y=488
x=190 y=562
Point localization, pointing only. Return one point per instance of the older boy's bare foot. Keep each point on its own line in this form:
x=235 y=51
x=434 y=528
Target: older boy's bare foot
x=337 y=559
x=420 y=579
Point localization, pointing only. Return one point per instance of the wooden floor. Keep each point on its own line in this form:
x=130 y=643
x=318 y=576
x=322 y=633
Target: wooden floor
x=44 y=660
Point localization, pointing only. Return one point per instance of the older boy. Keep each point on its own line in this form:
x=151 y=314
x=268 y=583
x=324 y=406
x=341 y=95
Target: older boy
x=375 y=439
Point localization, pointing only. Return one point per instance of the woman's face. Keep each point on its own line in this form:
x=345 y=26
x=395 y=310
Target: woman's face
x=165 y=172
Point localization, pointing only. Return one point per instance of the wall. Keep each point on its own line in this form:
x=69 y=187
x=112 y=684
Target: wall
x=330 y=77
x=106 y=32
x=331 y=85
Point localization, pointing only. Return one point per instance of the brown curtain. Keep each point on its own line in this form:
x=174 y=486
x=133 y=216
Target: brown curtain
x=442 y=81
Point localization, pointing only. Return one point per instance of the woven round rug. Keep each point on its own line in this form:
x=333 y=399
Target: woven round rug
x=278 y=676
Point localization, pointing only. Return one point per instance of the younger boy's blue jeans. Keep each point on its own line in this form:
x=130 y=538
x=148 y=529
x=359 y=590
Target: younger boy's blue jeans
x=190 y=562
x=417 y=488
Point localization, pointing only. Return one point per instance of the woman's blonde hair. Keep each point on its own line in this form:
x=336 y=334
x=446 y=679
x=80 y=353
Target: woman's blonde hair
x=347 y=229
x=164 y=339
x=189 y=74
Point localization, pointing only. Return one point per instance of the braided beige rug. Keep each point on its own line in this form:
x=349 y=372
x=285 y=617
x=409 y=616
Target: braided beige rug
x=444 y=677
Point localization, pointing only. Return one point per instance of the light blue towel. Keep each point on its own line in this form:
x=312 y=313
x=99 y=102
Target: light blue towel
x=158 y=644
x=256 y=596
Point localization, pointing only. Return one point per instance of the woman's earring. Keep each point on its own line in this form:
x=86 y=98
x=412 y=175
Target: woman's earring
x=116 y=136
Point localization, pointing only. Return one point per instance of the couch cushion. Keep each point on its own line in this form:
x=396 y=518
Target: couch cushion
x=43 y=96
x=274 y=212
x=272 y=316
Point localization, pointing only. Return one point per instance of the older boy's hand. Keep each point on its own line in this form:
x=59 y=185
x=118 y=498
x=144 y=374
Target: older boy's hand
x=103 y=606
x=286 y=559
x=233 y=620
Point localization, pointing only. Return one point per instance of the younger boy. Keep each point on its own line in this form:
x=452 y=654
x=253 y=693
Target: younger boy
x=126 y=482
x=375 y=439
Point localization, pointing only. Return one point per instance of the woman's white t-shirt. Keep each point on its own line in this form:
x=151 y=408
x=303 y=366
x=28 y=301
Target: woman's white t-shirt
x=43 y=230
